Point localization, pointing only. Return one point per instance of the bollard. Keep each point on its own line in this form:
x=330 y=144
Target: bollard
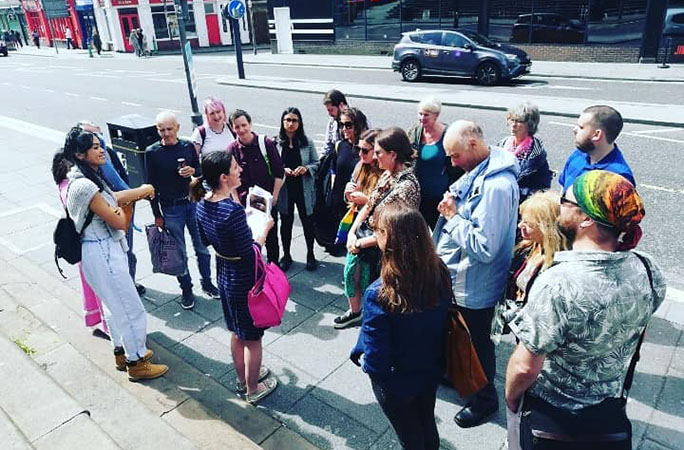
x=668 y=49
x=90 y=50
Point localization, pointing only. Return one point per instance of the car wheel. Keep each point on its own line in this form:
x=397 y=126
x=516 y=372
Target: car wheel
x=410 y=70
x=488 y=74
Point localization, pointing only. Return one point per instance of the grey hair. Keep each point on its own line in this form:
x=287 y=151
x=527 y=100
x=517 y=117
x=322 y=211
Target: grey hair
x=430 y=104
x=165 y=116
x=526 y=113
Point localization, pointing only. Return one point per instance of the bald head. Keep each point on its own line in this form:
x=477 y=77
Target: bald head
x=167 y=127
x=464 y=144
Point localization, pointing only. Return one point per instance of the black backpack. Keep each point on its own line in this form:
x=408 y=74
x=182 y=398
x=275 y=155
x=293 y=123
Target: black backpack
x=68 y=240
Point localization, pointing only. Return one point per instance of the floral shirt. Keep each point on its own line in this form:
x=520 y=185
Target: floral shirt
x=401 y=187
x=586 y=314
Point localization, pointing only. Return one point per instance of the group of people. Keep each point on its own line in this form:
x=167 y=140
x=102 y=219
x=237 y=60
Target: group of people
x=136 y=39
x=493 y=240
x=12 y=37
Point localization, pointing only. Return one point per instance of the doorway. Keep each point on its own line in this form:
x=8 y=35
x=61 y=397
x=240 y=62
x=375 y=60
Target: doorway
x=128 y=18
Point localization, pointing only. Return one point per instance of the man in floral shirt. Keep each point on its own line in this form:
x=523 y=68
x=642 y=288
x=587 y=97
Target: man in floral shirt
x=582 y=323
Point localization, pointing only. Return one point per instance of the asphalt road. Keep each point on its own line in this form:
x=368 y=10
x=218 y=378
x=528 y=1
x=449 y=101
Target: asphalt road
x=56 y=93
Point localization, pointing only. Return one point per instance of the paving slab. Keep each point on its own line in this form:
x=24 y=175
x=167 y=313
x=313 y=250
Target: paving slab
x=13 y=438
x=80 y=433
x=205 y=354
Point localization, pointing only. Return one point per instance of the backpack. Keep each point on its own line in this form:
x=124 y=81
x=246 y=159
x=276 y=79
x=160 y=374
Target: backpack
x=67 y=240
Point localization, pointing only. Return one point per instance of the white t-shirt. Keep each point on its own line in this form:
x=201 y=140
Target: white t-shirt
x=213 y=141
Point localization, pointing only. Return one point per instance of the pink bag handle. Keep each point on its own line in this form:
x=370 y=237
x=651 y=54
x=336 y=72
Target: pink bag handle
x=258 y=263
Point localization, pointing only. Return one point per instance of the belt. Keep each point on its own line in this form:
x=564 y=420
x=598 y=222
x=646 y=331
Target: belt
x=179 y=201
x=229 y=258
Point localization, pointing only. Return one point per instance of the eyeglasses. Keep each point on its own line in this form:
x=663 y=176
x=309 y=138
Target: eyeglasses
x=347 y=125
x=566 y=201
x=365 y=150
x=291 y=120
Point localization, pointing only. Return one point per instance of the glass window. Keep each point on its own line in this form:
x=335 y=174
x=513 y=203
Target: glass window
x=208 y=8
x=433 y=38
x=454 y=40
x=166 y=22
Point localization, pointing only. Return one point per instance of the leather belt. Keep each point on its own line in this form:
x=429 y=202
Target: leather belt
x=179 y=201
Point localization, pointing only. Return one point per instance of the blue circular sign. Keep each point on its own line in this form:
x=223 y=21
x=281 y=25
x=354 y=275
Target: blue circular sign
x=236 y=9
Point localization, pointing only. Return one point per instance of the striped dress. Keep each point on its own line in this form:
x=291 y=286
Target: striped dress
x=223 y=225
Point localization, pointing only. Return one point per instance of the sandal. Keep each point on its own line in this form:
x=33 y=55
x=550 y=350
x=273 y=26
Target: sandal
x=241 y=388
x=270 y=385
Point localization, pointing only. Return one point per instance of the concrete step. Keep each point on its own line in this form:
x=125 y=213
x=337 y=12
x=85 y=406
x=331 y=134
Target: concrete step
x=36 y=412
x=182 y=410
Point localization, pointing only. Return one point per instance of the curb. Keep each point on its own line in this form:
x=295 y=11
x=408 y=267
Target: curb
x=445 y=103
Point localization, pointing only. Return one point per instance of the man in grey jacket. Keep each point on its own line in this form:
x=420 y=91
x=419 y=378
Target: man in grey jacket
x=474 y=236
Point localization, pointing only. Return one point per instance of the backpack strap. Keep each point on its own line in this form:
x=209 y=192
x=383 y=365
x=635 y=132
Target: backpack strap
x=202 y=132
x=262 y=146
x=629 y=378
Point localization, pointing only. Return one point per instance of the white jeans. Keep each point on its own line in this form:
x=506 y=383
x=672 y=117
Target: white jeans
x=105 y=266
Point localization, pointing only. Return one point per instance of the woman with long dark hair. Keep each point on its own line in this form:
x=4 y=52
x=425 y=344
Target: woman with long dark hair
x=222 y=223
x=300 y=160
x=404 y=320
x=96 y=212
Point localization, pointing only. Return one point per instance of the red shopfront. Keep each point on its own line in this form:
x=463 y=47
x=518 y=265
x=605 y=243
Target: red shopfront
x=51 y=30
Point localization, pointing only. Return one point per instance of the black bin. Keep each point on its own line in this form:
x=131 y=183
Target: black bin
x=131 y=135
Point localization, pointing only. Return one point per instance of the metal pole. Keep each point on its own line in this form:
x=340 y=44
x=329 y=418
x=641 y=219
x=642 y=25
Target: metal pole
x=196 y=116
x=251 y=26
x=238 y=48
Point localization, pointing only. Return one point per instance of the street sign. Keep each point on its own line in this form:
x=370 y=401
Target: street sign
x=55 y=9
x=236 y=9
x=191 y=66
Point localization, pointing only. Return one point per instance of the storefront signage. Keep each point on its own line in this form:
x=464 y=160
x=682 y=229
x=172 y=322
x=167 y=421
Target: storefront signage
x=55 y=9
x=124 y=2
x=30 y=5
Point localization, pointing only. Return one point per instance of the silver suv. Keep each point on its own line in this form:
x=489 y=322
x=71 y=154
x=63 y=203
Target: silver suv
x=462 y=53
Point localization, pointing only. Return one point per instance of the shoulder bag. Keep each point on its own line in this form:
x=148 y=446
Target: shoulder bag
x=267 y=298
x=463 y=367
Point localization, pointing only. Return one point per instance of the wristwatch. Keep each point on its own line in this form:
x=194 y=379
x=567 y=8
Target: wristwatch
x=357 y=244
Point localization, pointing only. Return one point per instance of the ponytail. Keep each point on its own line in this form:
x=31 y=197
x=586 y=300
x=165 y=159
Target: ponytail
x=197 y=190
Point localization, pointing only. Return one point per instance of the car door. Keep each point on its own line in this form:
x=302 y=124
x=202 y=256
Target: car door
x=455 y=57
x=431 y=43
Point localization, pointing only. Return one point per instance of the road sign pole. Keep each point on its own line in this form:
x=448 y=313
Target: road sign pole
x=238 y=48
x=187 y=54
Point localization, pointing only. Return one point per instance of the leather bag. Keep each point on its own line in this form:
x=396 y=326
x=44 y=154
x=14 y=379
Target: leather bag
x=267 y=298
x=463 y=367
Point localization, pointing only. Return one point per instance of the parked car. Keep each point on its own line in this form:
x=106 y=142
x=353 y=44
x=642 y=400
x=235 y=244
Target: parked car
x=462 y=53
x=674 y=22
x=548 y=28
x=3 y=48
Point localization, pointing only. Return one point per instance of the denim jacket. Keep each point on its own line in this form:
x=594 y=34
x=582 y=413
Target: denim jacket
x=477 y=243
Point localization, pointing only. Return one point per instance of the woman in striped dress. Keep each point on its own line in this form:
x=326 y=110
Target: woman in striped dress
x=223 y=225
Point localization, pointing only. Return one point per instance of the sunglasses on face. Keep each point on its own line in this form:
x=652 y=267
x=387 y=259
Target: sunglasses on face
x=565 y=201
x=291 y=120
x=365 y=150
x=347 y=125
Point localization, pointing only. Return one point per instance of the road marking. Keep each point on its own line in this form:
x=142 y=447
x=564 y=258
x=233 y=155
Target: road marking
x=663 y=189
x=633 y=134
x=44 y=133
x=71 y=94
x=570 y=88
x=169 y=109
x=23 y=86
x=130 y=104
x=48 y=90
x=666 y=130
x=100 y=99
x=96 y=75
x=5 y=83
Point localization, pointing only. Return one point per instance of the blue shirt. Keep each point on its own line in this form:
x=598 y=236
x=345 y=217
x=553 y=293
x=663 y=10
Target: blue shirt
x=579 y=162
x=430 y=171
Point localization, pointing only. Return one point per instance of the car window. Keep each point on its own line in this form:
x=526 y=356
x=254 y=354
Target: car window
x=454 y=40
x=523 y=19
x=433 y=38
x=678 y=18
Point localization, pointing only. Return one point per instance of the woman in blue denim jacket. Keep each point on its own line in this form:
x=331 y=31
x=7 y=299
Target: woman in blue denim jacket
x=404 y=320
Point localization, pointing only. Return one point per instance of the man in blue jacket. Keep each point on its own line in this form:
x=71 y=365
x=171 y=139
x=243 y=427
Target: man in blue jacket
x=474 y=237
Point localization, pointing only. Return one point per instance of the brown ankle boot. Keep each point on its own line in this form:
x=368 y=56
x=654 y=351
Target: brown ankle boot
x=120 y=359
x=145 y=370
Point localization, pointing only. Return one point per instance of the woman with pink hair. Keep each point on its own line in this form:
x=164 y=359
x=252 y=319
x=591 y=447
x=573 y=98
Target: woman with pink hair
x=215 y=134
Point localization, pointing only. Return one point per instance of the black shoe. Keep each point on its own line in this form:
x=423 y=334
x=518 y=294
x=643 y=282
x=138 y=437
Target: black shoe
x=188 y=301
x=285 y=263
x=211 y=290
x=140 y=288
x=470 y=416
x=347 y=319
x=311 y=263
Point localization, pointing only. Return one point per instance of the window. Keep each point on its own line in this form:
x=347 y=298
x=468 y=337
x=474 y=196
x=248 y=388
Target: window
x=434 y=38
x=166 y=22
x=208 y=8
x=454 y=40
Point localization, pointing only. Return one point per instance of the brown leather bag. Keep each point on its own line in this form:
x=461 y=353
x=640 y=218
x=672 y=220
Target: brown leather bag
x=463 y=367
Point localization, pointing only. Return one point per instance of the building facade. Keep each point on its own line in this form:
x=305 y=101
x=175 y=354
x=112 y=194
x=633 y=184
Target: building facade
x=158 y=20
x=552 y=29
x=51 y=19
x=12 y=18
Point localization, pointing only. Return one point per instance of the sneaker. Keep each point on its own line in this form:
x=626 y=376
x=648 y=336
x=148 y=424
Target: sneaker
x=140 y=288
x=311 y=263
x=188 y=301
x=120 y=358
x=347 y=319
x=269 y=386
x=241 y=388
x=285 y=263
x=145 y=370
x=211 y=290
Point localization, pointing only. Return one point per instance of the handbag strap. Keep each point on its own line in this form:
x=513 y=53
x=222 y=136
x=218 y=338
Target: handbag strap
x=258 y=263
x=629 y=378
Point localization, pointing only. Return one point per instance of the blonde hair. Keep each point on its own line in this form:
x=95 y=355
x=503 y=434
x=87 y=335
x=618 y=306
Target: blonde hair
x=542 y=209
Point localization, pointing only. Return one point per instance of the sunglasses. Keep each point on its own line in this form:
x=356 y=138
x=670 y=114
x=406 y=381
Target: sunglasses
x=365 y=150
x=291 y=120
x=565 y=201
x=347 y=125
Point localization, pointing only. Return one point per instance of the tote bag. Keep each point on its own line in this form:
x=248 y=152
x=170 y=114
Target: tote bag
x=267 y=298
x=165 y=251
x=463 y=367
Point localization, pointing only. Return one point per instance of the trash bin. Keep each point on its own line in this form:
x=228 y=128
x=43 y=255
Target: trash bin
x=131 y=135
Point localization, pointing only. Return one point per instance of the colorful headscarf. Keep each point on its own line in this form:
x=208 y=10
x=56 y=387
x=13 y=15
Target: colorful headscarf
x=610 y=199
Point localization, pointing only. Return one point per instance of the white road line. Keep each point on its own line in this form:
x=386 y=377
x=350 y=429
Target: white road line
x=71 y=94
x=662 y=189
x=96 y=75
x=177 y=111
x=5 y=83
x=23 y=86
x=28 y=128
x=48 y=90
x=100 y=99
x=570 y=88
x=563 y=124
x=266 y=126
x=656 y=138
x=130 y=104
x=665 y=130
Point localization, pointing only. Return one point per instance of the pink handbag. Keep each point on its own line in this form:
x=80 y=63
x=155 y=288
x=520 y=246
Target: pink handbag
x=267 y=299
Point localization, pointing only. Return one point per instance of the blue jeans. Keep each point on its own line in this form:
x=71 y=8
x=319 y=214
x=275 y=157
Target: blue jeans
x=176 y=218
